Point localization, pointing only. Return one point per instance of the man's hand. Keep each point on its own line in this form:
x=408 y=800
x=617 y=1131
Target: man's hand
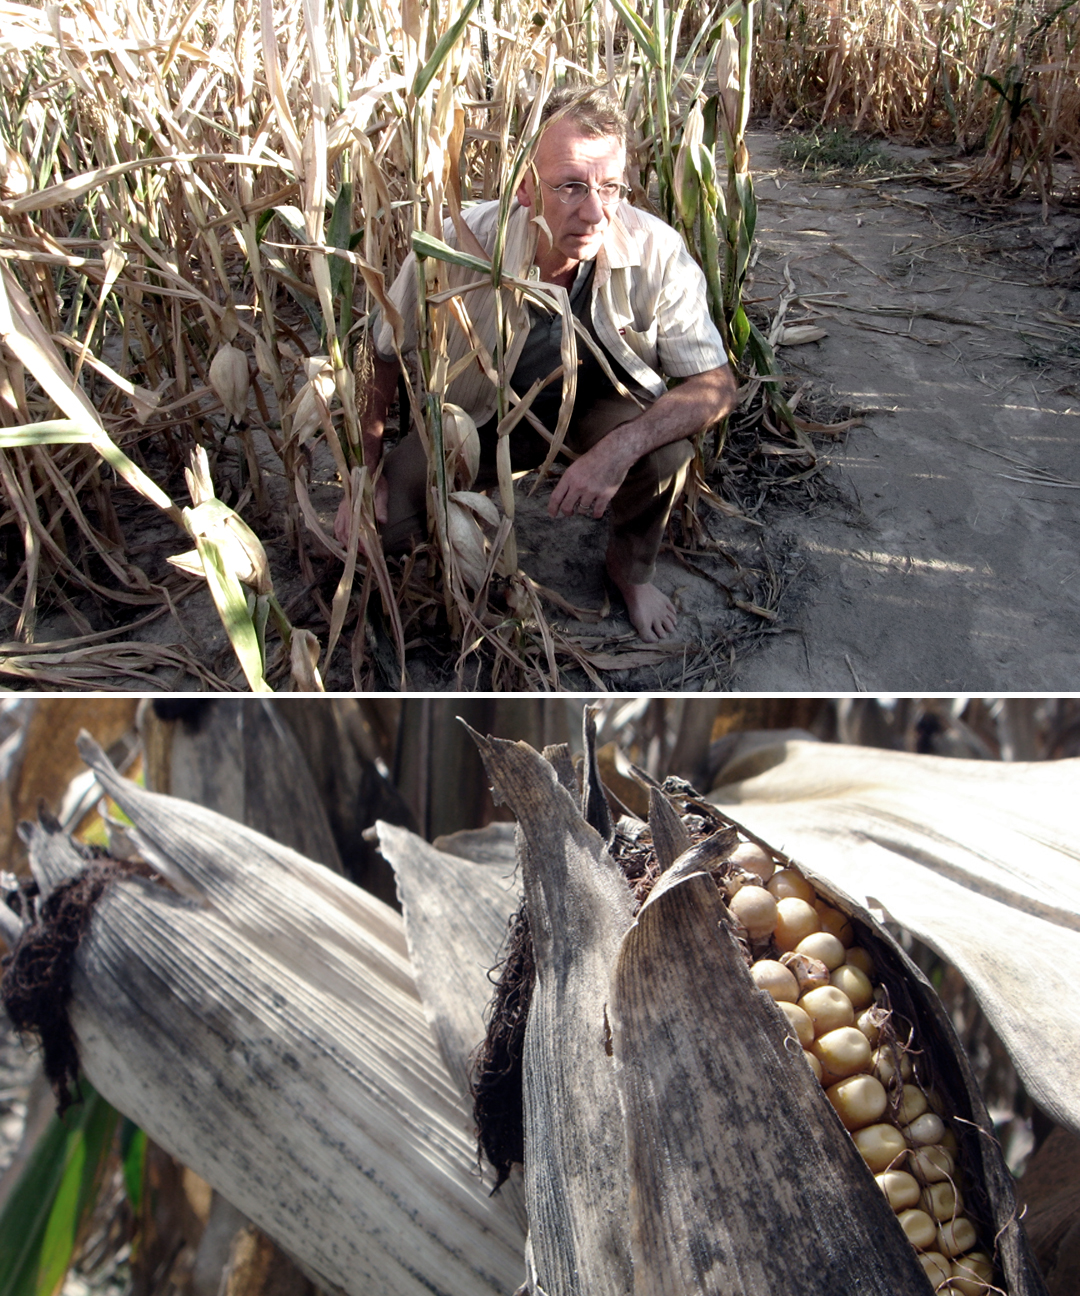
x=590 y=483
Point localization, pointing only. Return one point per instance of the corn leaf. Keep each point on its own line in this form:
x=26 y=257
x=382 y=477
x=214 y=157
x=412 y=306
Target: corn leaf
x=232 y=606
x=133 y=1161
x=426 y=245
x=79 y=432
x=446 y=43
x=42 y=1219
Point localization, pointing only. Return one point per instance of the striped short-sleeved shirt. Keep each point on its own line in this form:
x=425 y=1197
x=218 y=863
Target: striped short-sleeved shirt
x=649 y=305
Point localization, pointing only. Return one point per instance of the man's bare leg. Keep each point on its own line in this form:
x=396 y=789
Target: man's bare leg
x=652 y=613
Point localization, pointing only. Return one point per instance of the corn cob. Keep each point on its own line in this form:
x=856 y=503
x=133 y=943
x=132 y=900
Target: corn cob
x=803 y=953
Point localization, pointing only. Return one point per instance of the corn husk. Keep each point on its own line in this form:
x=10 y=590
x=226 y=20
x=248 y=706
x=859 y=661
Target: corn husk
x=304 y=662
x=461 y=442
x=230 y=380
x=976 y=858
x=705 y=1082
x=798 y=334
x=466 y=540
x=264 y=1027
x=673 y=1143
x=319 y=388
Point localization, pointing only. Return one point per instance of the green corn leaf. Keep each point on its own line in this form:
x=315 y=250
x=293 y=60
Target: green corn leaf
x=48 y=1207
x=74 y=432
x=426 y=245
x=745 y=186
x=262 y=224
x=447 y=42
x=293 y=220
x=133 y=1159
x=740 y=332
x=232 y=607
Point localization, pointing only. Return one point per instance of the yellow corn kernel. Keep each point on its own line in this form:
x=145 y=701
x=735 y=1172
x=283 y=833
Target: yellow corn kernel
x=855 y=984
x=936 y=1267
x=775 y=979
x=972 y=1275
x=920 y=1229
x=942 y=1200
x=795 y=920
x=900 y=1188
x=956 y=1236
x=931 y=1164
x=879 y=1146
x=842 y=1052
x=799 y=1022
x=828 y=1008
x=859 y=1100
x=835 y=923
x=789 y=882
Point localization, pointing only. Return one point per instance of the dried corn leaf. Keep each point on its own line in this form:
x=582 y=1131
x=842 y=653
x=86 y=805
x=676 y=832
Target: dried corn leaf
x=267 y=1032
x=455 y=912
x=976 y=858
x=576 y=1186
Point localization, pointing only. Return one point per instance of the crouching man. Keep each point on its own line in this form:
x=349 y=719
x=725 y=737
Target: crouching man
x=632 y=284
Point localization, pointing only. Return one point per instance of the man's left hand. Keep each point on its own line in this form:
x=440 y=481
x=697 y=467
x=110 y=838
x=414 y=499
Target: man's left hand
x=590 y=483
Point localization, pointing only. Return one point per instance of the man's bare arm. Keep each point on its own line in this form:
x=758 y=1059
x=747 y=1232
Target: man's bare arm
x=592 y=480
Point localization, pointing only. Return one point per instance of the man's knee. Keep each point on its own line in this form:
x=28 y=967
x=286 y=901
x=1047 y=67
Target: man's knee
x=655 y=470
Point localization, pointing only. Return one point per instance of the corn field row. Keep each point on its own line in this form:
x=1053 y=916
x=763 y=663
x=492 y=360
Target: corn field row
x=1000 y=80
x=201 y=203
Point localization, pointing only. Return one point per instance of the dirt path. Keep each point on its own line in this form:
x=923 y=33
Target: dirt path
x=961 y=572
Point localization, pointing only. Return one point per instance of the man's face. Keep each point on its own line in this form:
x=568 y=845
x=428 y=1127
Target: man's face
x=565 y=154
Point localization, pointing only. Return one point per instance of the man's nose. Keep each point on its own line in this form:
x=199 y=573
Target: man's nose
x=591 y=208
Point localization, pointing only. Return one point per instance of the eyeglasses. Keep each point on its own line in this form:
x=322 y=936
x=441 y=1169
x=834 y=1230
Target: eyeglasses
x=574 y=192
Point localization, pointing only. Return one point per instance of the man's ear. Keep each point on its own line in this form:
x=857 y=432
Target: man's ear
x=524 y=192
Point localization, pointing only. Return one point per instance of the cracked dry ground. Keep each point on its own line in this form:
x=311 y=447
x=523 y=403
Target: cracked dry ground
x=955 y=331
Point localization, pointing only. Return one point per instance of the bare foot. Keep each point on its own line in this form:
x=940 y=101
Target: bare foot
x=652 y=613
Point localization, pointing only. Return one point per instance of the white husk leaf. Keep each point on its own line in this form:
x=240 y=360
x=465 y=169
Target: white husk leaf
x=230 y=380
x=467 y=541
x=462 y=442
x=797 y=334
x=271 y=1037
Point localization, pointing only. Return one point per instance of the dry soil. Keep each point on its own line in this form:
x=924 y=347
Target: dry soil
x=954 y=328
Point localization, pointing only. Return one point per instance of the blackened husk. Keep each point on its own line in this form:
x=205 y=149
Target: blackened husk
x=36 y=987
x=497 y=1086
x=498 y=1097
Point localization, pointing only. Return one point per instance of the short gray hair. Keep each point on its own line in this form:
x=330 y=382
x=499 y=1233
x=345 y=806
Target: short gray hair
x=593 y=109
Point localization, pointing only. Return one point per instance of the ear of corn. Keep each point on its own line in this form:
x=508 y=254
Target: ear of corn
x=732 y=1143
x=876 y=1038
